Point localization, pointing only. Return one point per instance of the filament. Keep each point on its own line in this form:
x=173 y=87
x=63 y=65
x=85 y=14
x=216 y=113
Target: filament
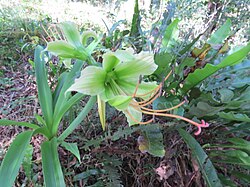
x=164 y=110
x=139 y=122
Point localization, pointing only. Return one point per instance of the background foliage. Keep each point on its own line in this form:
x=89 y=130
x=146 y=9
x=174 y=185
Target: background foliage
x=183 y=36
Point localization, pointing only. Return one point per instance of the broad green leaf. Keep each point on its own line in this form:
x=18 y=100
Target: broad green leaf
x=226 y=181
x=44 y=93
x=6 y=122
x=226 y=95
x=171 y=35
x=232 y=116
x=208 y=171
x=200 y=74
x=13 y=158
x=52 y=171
x=236 y=157
x=163 y=60
x=240 y=143
x=241 y=176
x=221 y=34
x=27 y=161
x=72 y=147
x=78 y=119
x=151 y=141
x=86 y=174
x=188 y=62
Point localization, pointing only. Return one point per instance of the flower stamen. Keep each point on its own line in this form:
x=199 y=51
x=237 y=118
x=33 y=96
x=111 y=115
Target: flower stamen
x=139 y=122
x=164 y=110
x=198 y=125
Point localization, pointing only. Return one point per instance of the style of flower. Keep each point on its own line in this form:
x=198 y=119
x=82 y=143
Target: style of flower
x=118 y=83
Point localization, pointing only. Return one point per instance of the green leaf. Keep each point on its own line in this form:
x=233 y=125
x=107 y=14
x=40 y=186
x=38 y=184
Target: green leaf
x=226 y=95
x=27 y=161
x=52 y=171
x=72 y=34
x=63 y=103
x=208 y=171
x=151 y=141
x=13 y=158
x=171 y=35
x=44 y=93
x=200 y=74
x=6 y=122
x=163 y=60
x=234 y=117
x=134 y=32
x=187 y=62
x=72 y=147
x=221 y=34
x=78 y=119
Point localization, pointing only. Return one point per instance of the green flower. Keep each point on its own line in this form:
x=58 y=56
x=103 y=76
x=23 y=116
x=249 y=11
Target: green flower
x=117 y=82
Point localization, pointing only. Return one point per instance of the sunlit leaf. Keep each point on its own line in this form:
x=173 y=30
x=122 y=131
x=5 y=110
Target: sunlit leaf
x=13 y=158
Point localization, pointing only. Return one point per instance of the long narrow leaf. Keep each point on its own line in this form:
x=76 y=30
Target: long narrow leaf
x=221 y=34
x=44 y=93
x=78 y=119
x=206 y=166
x=72 y=101
x=171 y=35
x=6 y=122
x=52 y=171
x=13 y=159
x=200 y=74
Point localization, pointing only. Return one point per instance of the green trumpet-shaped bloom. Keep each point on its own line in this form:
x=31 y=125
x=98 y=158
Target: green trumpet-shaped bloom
x=116 y=82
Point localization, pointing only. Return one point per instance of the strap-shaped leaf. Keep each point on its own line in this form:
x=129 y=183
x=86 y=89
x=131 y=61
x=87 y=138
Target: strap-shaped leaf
x=78 y=119
x=63 y=104
x=27 y=161
x=13 y=159
x=6 y=122
x=44 y=93
x=208 y=171
x=52 y=171
x=221 y=34
x=171 y=35
x=200 y=74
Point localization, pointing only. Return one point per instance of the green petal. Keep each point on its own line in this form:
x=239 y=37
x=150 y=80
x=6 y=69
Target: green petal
x=65 y=50
x=144 y=88
x=120 y=102
x=71 y=33
x=109 y=61
x=102 y=112
x=125 y=55
x=91 y=81
x=131 y=70
x=135 y=113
